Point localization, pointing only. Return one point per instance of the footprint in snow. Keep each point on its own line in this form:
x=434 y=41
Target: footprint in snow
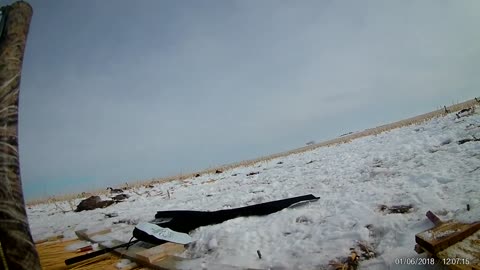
x=421 y=181
x=442 y=180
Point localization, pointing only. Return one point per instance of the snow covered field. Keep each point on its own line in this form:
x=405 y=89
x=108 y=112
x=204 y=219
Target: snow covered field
x=422 y=165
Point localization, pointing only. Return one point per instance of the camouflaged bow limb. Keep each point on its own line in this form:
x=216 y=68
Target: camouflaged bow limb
x=17 y=247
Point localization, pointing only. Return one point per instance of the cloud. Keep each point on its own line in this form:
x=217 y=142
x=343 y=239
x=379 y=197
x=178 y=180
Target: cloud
x=114 y=91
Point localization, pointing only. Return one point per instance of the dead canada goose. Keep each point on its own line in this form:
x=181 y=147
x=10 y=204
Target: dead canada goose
x=465 y=112
x=114 y=190
x=120 y=197
x=92 y=202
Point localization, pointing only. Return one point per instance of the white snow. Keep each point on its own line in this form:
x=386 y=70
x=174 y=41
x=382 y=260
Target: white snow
x=445 y=233
x=77 y=245
x=422 y=165
x=125 y=264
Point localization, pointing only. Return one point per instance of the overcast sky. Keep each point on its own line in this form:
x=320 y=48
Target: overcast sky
x=115 y=91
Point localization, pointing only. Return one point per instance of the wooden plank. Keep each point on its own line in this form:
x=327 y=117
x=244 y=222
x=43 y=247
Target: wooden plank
x=463 y=267
x=419 y=249
x=87 y=234
x=159 y=252
x=130 y=253
x=444 y=235
x=467 y=251
x=455 y=244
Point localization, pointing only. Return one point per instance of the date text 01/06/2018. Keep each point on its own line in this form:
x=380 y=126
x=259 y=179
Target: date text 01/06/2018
x=415 y=261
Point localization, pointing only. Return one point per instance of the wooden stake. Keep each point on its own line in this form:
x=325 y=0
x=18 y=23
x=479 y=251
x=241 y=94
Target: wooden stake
x=433 y=218
x=259 y=254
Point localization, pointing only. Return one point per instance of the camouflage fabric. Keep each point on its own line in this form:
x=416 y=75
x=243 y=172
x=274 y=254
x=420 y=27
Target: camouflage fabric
x=17 y=250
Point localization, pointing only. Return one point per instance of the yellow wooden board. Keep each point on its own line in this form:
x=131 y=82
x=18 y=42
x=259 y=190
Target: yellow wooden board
x=53 y=255
x=444 y=235
x=159 y=252
x=463 y=255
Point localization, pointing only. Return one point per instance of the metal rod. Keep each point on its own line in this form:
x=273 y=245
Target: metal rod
x=97 y=253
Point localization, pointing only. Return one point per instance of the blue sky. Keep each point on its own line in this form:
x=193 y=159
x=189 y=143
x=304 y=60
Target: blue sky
x=116 y=91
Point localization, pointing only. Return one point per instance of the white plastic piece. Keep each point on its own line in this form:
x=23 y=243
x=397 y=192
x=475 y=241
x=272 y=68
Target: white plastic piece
x=165 y=233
